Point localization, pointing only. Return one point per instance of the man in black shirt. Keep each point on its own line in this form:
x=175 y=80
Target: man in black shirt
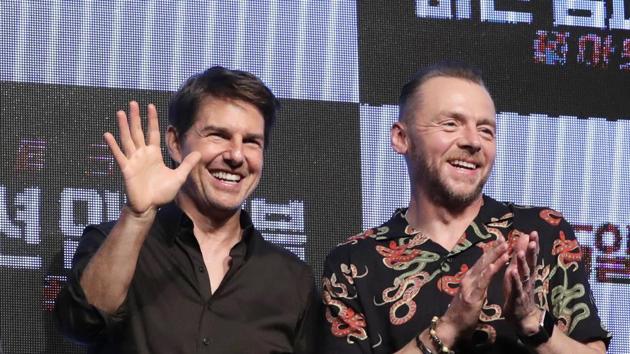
x=457 y=269
x=183 y=270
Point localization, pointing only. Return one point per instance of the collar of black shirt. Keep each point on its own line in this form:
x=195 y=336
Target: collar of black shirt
x=175 y=224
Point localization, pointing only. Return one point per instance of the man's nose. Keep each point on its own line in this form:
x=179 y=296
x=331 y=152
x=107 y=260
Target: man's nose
x=233 y=154
x=470 y=139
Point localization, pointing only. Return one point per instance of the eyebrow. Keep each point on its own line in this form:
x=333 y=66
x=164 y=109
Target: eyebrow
x=487 y=121
x=214 y=129
x=459 y=116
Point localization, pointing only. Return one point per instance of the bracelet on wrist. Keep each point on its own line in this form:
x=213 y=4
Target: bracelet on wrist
x=423 y=348
x=436 y=340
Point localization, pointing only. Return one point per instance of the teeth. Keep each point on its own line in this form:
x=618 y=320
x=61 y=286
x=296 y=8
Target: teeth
x=464 y=164
x=225 y=176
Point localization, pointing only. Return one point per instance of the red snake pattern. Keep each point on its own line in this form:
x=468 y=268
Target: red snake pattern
x=450 y=283
x=414 y=269
x=347 y=323
x=564 y=248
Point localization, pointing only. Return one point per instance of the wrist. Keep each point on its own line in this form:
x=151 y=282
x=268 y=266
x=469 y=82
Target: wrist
x=546 y=325
x=530 y=324
x=442 y=335
x=146 y=215
x=448 y=331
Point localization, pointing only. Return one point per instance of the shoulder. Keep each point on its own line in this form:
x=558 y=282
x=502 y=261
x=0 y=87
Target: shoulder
x=538 y=217
x=364 y=247
x=276 y=256
x=554 y=231
x=356 y=242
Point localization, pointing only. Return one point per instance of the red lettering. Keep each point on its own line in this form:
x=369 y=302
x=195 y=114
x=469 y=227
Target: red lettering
x=599 y=238
x=30 y=155
x=100 y=163
x=613 y=270
x=52 y=287
x=550 y=47
x=589 y=49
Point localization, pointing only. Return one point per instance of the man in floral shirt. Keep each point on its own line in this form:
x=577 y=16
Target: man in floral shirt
x=457 y=270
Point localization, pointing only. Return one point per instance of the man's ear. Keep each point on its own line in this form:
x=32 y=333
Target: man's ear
x=173 y=144
x=399 y=137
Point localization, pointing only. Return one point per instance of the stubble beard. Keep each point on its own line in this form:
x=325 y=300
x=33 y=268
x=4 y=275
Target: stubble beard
x=439 y=191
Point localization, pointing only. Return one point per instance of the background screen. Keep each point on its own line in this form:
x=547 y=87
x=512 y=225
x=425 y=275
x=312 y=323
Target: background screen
x=559 y=72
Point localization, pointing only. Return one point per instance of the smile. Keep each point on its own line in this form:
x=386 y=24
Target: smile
x=464 y=164
x=226 y=176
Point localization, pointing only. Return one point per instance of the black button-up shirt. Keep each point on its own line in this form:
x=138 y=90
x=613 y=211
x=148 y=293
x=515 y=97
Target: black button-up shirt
x=266 y=302
x=382 y=287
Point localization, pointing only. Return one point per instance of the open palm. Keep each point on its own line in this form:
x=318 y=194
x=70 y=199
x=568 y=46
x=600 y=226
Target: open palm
x=149 y=183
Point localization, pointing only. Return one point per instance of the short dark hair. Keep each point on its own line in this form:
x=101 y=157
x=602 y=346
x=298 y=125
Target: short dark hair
x=452 y=69
x=221 y=83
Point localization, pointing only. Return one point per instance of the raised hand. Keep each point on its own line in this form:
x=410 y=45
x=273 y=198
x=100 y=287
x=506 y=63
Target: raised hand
x=518 y=285
x=149 y=183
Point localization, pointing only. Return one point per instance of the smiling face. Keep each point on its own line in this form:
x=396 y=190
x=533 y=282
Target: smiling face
x=448 y=139
x=229 y=134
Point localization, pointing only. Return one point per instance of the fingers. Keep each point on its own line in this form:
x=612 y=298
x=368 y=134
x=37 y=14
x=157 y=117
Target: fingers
x=518 y=271
x=120 y=157
x=524 y=273
x=153 y=131
x=514 y=292
x=521 y=243
x=525 y=258
x=131 y=134
x=517 y=284
x=135 y=126
x=125 y=136
x=497 y=253
x=183 y=170
x=491 y=262
x=533 y=249
x=522 y=266
x=522 y=298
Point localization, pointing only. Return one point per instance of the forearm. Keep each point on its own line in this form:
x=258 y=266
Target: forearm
x=107 y=276
x=560 y=343
x=444 y=331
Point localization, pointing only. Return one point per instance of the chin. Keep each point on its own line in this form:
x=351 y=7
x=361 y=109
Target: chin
x=227 y=206
x=457 y=198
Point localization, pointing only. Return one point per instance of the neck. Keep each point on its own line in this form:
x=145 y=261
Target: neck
x=442 y=224
x=211 y=226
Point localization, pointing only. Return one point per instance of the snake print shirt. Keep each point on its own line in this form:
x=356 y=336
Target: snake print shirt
x=382 y=287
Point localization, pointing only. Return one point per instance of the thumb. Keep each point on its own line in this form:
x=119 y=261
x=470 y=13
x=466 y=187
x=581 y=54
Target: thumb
x=190 y=161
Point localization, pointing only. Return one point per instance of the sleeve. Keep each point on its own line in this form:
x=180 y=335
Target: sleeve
x=77 y=319
x=309 y=326
x=345 y=327
x=570 y=297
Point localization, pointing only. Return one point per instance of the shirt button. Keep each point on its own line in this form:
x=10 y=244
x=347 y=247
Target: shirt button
x=201 y=269
x=205 y=341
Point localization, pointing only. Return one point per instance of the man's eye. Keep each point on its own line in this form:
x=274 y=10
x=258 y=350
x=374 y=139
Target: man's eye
x=255 y=142
x=488 y=131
